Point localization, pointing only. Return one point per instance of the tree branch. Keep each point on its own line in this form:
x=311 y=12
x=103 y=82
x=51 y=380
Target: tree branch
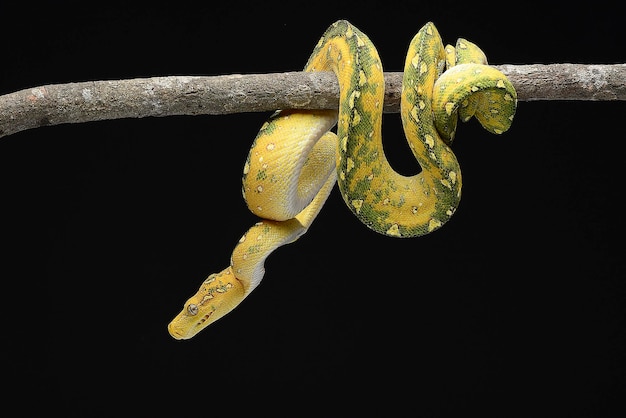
x=197 y=95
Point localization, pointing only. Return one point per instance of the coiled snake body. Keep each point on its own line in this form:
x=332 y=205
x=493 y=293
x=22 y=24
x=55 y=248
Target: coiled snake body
x=295 y=159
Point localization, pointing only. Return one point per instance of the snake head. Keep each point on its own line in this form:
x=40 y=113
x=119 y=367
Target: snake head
x=217 y=296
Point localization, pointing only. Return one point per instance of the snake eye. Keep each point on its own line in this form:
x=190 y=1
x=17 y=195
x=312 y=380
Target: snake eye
x=192 y=309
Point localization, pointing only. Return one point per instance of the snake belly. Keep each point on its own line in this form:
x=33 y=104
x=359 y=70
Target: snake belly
x=295 y=160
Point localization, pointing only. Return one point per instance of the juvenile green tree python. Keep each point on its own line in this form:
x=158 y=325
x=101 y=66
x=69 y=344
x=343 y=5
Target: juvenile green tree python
x=296 y=159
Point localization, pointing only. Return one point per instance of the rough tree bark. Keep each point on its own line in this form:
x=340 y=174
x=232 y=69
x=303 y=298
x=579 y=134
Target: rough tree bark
x=196 y=95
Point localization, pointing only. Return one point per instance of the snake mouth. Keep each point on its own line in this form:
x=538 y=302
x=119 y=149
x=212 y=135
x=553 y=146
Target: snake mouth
x=179 y=332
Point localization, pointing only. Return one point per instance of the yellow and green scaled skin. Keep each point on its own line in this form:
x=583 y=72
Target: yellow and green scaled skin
x=295 y=159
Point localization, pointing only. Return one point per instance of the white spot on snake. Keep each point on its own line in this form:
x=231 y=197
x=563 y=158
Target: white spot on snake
x=270 y=146
x=349 y=164
x=362 y=78
x=344 y=144
x=508 y=97
x=500 y=84
x=355 y=94
x=452 y=176
x=357 y=204
x=414 y=210
x=242 y=239
x=259 y=188
x=433 y=224
x=423 y=68
x=421 y=104
x=430 y=141
x=246 y=168
x=414 y=114
x=394 y=230
x=356 y=118
x=415 y=60
x=474 y=88
x=450 y=107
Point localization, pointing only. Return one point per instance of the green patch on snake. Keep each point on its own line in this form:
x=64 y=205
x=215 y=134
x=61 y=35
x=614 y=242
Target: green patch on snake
x=255 y=249
x=359 y=188
x=377 y=196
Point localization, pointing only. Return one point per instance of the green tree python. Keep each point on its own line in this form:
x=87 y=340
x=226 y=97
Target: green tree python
x=296 y=158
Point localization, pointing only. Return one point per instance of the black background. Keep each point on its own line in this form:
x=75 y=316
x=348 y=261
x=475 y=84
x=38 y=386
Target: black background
x=515 y=308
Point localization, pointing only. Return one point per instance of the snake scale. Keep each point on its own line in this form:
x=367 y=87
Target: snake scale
x=296 y=158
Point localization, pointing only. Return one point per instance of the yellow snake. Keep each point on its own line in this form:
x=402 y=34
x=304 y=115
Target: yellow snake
x=295 y=159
